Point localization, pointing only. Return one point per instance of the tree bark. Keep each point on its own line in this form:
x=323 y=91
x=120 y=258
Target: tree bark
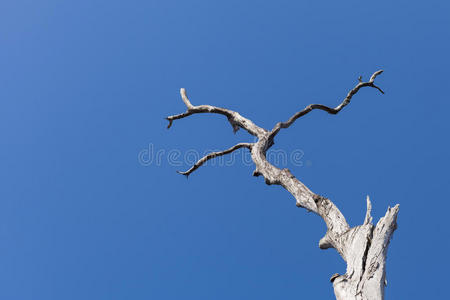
x=364 y=247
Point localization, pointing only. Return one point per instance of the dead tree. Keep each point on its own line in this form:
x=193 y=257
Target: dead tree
x=363 y=247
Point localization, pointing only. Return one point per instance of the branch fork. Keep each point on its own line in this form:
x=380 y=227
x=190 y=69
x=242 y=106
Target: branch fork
x=363 y=247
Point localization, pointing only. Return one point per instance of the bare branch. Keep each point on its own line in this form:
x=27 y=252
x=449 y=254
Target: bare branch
x=185 y=98
x=211 y=155
x=374 y=75
x=329 y=110
x=176 y=117
x=236 y=120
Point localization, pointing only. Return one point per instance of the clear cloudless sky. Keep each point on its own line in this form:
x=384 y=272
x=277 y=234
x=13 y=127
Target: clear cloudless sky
x=85 y=87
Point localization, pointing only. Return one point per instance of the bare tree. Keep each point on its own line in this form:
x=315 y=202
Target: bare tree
x=363 y=247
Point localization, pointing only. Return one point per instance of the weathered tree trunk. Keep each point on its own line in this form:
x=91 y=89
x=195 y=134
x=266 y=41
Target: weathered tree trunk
x=364 y=247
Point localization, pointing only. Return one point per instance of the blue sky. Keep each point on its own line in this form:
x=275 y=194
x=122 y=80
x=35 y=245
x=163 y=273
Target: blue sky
x=85 y=87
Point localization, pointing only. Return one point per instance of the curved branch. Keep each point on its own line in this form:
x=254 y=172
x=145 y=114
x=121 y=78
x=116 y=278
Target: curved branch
x=236 y=120
x=211 y=155
x=329 y=110
x=185 y=98
x=325 y=208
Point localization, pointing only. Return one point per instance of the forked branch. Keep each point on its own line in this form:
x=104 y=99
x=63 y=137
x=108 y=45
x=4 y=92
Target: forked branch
x=236 y=120
x=363 y=247
x=329 y=110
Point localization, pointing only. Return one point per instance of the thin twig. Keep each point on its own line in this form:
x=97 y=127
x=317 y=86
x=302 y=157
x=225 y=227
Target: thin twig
x=212 y=155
